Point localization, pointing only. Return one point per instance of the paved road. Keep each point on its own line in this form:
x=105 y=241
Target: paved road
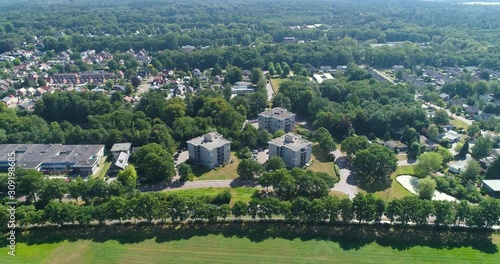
x=200 y=184
x=461 y=118
x=145 y=86
x=346 y=183
x=270 y=91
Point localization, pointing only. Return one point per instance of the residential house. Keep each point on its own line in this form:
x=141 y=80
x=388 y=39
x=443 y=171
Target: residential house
x=210 y=150
x=117 y=148
x=22 y=92
x=492 y=186
x=65 y=78
x=451 y=136
x=290 y=40
x=444 y=97
x=293 y=149
x=471 y=110
x=40 y=91
x=428 y=144
x=242 y=88
x=30 y=92
x=27 y=105
x=458 y=166
x=187 y=48
x=121 y=161
x=276 y=119
x=396 y=146
x=10 y=101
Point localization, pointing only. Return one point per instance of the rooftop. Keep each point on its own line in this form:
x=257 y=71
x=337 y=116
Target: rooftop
x=493 y=184
x=118 y=147
x=30 y=156
x=210 y=140
x=277 y=112
x=122 y=160
x=291 y=141
x=395 y=144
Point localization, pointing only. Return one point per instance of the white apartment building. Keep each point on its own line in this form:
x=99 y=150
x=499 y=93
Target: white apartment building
x=210 y=150
x=294 y=150
x=277 y=119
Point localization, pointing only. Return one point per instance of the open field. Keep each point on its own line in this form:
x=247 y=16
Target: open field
x=237 y=194
x=252 y=243
x=227 y=172
x=321 y=164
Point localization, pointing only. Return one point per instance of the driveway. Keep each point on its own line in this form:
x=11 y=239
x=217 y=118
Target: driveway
x=144 y=87
x=346 y=183
x=270 y=91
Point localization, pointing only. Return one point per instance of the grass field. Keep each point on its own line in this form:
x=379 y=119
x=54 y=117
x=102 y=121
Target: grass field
x=276 y=84
x=227 y=172
x=252 y=243
x=237 y=194
x=320 y=164
x=459 y=123
x=105 y=165
x=395 y=190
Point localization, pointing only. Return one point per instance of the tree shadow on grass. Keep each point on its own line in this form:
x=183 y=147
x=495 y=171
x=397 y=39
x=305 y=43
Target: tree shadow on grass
x=349 y=237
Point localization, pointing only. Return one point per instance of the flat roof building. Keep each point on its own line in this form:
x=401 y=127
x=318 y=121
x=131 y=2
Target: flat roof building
x=53 y=158
x=276 y=119
x=210 y=150
x=492 y=186
x=293 y=149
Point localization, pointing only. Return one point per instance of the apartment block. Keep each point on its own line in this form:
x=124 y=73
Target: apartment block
x=277 y=119
x=294 y=150
x=210 y=150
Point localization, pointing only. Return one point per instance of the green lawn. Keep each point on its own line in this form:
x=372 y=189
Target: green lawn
x=395 y=191
x=227 y=172
x=103 y=169
x=237 y=194
x=320 y=164
x=276 y=84
x=252 y=243
x=459 y=123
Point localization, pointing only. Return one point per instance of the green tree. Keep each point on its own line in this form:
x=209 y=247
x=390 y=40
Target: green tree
x=256 y=75
x=227 y=91
x=30 y=182
x=274 y=163
x=482 y=148
x=427 y=163
x=239 y=209
x=271 y=69
x=53 y=189
x=233 y=74
x=432 y=132
x=464 y=150
x=441 y=117
x=77 y=187
x=128 y=177
x=471 y=172
x=249 y=169
x=445 y=213
x=414 y=150
x=426 y=188
x=154 y=163
x=351 y=145
x=375 y=163
x=185 y=172
x=325 y=140
x=493 y=170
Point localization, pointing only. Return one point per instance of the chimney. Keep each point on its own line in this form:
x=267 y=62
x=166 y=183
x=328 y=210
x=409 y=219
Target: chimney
x=289 y=138
x=208 y=137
